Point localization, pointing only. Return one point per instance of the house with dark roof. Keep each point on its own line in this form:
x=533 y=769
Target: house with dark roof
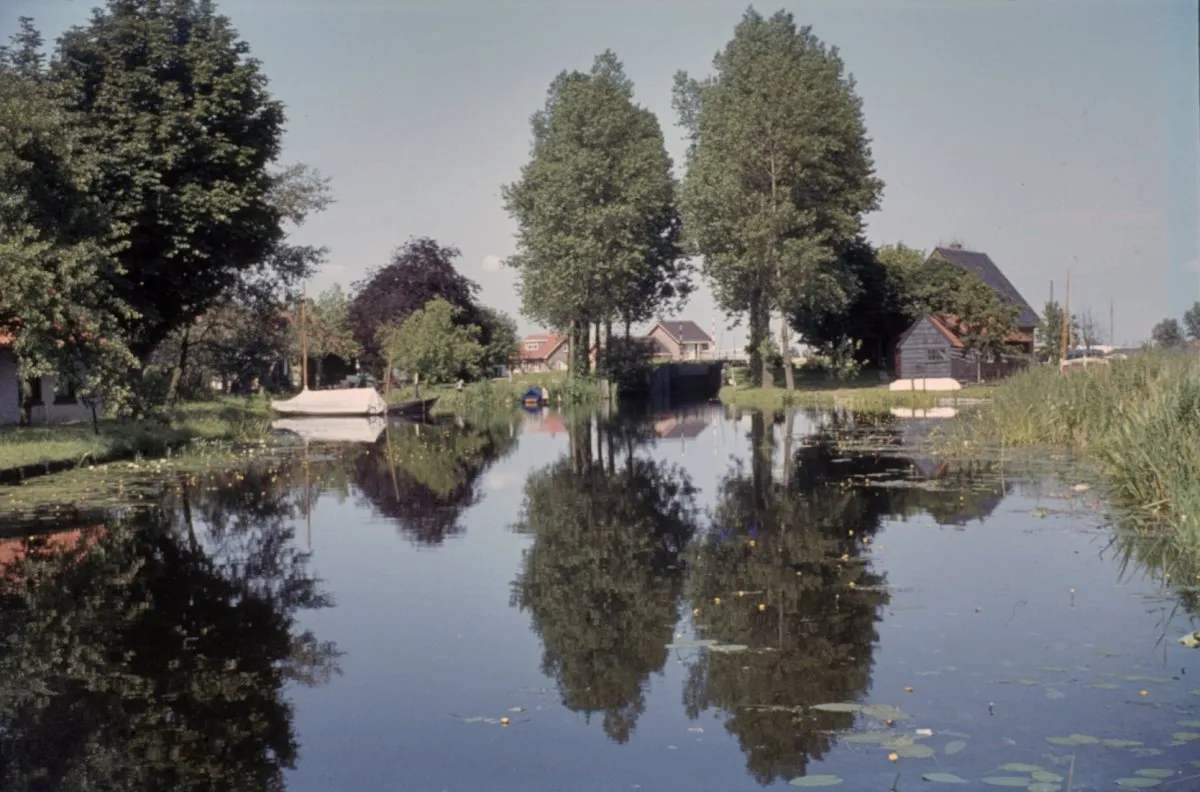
x=981 y=264
x=542 y=352
x=933 y=347
x=680 y=339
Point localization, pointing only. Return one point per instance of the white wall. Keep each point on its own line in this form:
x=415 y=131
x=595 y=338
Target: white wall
x=10 y=398
x=10 y=389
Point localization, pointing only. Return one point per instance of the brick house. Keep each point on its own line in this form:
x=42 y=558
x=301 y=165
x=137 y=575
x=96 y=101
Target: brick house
x=680 y=339
x=542 y=352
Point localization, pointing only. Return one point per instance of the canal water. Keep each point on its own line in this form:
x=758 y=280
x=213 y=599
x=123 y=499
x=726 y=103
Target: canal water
x=702 y=600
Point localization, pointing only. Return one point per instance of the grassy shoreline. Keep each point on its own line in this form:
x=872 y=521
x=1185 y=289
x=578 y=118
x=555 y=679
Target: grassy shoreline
x=866 y=394
x=1137 y=420
x=38 y=450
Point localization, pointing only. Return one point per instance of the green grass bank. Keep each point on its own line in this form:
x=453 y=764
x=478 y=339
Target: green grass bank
x=34 y=450
x=864 y=393
x=1137 y=419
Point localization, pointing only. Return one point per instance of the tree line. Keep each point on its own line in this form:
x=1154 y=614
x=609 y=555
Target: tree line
x=146 y=217
x=777 y=179
x=1171 y=334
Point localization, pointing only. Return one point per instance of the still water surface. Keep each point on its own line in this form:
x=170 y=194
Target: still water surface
x=654 y=604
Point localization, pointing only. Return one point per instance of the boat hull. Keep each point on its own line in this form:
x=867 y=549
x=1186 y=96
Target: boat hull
x=341 y=403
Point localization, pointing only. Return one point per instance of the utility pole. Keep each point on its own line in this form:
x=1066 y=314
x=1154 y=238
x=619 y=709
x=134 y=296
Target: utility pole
x=1112 y=332
x=1066 y=328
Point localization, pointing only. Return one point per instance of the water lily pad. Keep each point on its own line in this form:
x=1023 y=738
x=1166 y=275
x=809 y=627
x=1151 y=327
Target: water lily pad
x=1138 y=783
x=728 y=648
x=1028 y=682
x=1107 y=652
x=1046 y=777
x=1053 y=694
x=1190 y=724
x=1154 y=772
x=838 y=707
x=871 y=737
x=692 y=644
x=1007 y=781
x=954 y=746
x=885 y=712
x=1073 y=739
x=815 y=781
x=1121 y=743
x=1017 y=767
x=1146 y=752
x=915 y=751
x=943 y=778
x=1186 y=736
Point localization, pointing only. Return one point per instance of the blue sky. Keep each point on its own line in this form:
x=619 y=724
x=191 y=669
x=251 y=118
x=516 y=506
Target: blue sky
x=1052 y=134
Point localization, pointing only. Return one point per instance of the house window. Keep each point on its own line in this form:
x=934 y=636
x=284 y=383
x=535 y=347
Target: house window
x=935 y=355
x=35 y=390
x=64 y=393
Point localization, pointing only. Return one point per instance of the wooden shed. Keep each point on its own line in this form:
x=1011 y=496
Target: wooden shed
x=930 y=349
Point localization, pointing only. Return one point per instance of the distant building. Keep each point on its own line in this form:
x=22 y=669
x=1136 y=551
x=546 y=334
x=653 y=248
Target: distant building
x=542 y=352
x=680 y=339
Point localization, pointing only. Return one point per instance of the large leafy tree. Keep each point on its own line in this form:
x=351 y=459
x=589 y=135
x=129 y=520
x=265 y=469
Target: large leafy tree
x=779 y=176
x=185 y=133
x=420 y=271
x=55 y=243
x=243 y=333
x=880 y=306
x=431 y=344
x=595 y=210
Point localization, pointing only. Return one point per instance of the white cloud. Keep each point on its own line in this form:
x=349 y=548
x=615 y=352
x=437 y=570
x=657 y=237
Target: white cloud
x=492 y=263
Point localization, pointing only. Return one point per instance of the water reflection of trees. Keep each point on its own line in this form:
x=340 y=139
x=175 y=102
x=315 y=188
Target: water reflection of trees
x=603 y=577
x=774 y=573
x=424 y=476
x=153 y=651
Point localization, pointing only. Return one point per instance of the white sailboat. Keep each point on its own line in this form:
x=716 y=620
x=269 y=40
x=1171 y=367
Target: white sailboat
x=327 y=403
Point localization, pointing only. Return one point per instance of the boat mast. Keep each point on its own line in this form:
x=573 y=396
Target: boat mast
x=303 y=338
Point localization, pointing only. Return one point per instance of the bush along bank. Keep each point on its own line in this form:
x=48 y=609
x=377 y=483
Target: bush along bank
x=1137 y=419
x=501 y=394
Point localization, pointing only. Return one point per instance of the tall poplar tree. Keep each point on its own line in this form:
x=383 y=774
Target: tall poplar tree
x=595 y=210
x=779 y=175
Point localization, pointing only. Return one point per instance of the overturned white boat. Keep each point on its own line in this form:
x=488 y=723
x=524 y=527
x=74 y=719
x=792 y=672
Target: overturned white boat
x=329 y=403
x=334 y=430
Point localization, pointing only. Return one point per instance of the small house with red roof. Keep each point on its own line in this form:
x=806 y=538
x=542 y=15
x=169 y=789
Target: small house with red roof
x=933 y=347
x=542 y=352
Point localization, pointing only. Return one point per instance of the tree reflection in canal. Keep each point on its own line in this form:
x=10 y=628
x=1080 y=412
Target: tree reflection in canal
x=425 y=476
x=604 y=574
x=153 y=651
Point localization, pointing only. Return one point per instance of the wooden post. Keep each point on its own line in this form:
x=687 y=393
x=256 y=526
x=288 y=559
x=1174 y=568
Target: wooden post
x=387 y=378
x=1066 y=328
x=1112 y=332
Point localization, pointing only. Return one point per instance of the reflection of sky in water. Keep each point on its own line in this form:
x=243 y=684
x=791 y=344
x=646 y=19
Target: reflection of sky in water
x=430 y=632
